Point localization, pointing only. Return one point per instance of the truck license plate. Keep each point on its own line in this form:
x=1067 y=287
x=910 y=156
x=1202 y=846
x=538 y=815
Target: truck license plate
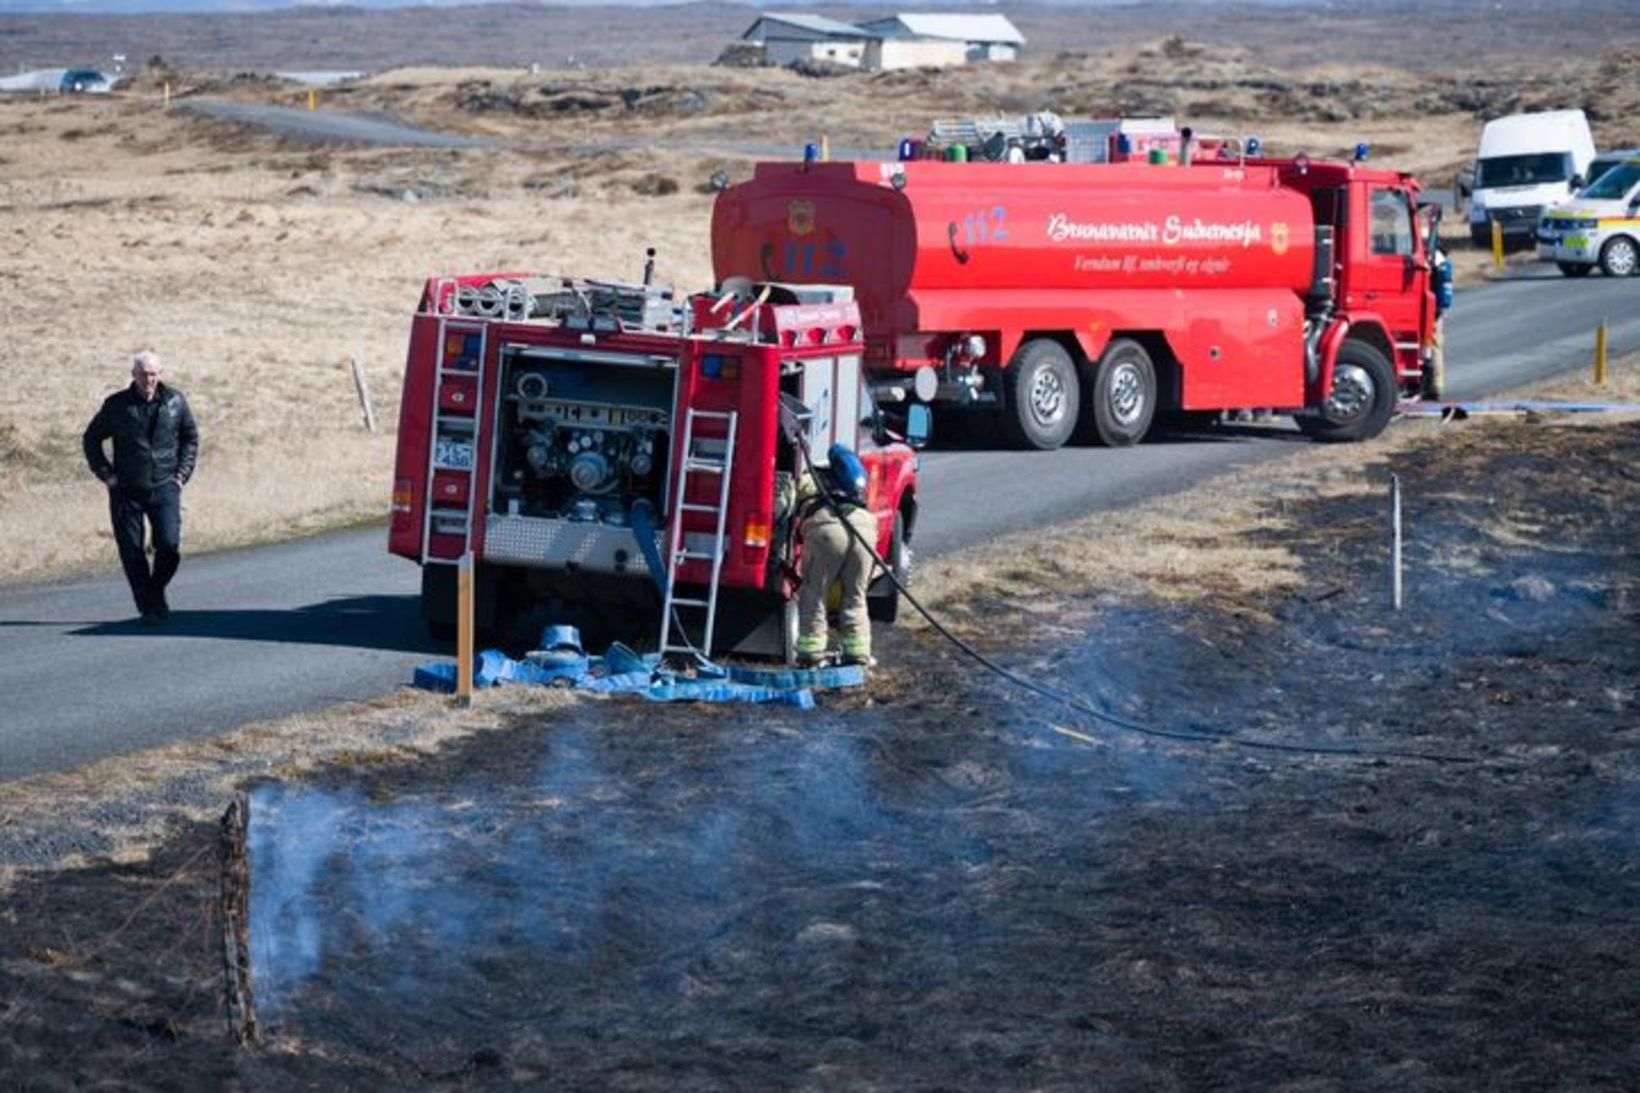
x=455 y=454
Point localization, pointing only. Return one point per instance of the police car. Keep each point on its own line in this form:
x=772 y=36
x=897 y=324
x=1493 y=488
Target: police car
x=1598 y=227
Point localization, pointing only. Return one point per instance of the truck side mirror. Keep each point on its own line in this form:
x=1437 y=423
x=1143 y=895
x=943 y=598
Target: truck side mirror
x=880 y=435
x=919 y=424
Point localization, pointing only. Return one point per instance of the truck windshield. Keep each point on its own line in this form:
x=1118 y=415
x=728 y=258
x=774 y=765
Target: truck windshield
x=1616 y=182
x=1598 y=167
x=1527 y=170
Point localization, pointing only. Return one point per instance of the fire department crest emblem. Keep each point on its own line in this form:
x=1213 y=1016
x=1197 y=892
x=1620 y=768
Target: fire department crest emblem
x=1279 y=237
x=800 y=217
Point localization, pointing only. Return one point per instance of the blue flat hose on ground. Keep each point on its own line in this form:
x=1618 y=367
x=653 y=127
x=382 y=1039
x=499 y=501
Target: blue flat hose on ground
x=1519 y=406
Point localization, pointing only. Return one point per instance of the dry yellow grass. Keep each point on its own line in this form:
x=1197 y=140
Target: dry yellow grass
x=395 y=728
x=255 y=271
x=257 y=268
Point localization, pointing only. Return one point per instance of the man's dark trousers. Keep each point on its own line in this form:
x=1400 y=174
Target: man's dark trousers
x=161 y=507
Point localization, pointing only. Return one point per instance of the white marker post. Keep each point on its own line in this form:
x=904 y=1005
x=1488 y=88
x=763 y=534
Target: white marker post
x=1395 y=539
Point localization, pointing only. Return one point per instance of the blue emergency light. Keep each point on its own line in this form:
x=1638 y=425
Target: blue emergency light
x=714 y=366
x=811 y=153
x=1361 y=151
x=1254 y=147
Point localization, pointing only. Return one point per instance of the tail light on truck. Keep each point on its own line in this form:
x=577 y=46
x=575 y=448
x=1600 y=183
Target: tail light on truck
x=403 y=500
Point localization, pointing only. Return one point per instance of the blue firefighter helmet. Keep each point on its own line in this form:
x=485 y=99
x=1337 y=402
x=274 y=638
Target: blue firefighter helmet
x=560 y=637
x=848 y=473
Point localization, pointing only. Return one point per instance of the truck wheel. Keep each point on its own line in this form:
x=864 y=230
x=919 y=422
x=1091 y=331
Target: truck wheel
x=1575 y=269
x=1362 y=399
x=886 y=608
x=1123 y=396
x=1620 y=257
x=1043 y=395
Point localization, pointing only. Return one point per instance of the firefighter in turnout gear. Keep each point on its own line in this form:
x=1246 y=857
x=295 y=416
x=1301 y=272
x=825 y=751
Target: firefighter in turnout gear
x=831 y=554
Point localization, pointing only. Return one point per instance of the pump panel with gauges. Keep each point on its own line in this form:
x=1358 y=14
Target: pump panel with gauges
x=581 y=439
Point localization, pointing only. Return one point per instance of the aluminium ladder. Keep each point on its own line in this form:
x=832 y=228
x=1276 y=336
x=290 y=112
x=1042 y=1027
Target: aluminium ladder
x=699 y=460
x=455 y=424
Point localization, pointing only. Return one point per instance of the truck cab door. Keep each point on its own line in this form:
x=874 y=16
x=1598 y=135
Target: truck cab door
x=1391 y=268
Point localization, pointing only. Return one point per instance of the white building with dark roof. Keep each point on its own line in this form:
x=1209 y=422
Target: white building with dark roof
x=985 y=37
x=788 y=38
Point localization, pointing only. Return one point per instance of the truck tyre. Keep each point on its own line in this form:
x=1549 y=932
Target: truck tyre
x=1362 y=399
x=886 y=608
x=1043 y=394
x=1620 y=257
x=1122 y=397
x=1575 y=269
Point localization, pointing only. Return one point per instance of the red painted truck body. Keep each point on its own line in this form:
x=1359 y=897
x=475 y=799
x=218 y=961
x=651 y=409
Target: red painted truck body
x=1238 y=282
x=527 y=437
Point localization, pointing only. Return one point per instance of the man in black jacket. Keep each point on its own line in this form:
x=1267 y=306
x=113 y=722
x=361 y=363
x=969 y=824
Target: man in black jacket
x=155 y=446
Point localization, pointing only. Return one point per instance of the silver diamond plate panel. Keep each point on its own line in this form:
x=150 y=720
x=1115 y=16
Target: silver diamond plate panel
x=558 y=544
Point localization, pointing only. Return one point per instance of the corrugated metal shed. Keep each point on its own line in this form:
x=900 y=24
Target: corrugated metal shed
x=986 y=28
x=783 y=25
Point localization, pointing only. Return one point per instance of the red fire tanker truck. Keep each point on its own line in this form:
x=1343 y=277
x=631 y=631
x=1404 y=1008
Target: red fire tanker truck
x=606 y=446
x=1081 y=299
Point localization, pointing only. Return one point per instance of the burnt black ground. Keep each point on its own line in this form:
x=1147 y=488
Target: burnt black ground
x=931 y=888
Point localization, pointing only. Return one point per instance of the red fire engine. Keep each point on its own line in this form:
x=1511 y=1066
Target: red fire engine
x=1070 y=299
x=604 y=446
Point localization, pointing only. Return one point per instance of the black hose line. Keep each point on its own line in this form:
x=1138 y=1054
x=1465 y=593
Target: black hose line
x=1087 y=708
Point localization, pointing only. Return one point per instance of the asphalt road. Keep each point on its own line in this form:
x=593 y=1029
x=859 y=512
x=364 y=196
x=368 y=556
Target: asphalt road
x=337 y=127
x=328 y=126
x=1498 y=337
x=271 y=631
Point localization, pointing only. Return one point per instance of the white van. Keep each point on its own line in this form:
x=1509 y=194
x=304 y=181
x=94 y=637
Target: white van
x=1528 y=163
x=1601 y=225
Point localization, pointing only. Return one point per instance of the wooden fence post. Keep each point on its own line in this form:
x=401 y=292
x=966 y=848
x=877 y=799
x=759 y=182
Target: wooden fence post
x=362 y=386
x=236 y=924
x=464 y=631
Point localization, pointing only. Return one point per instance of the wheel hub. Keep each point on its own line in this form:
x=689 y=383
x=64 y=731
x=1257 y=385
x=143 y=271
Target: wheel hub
x=1047 y=397
x=1352 y=393
x=1622 y=258
x=1127 y=394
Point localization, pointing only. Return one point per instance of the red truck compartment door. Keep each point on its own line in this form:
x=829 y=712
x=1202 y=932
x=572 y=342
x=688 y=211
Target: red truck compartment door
x=1246 y=351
